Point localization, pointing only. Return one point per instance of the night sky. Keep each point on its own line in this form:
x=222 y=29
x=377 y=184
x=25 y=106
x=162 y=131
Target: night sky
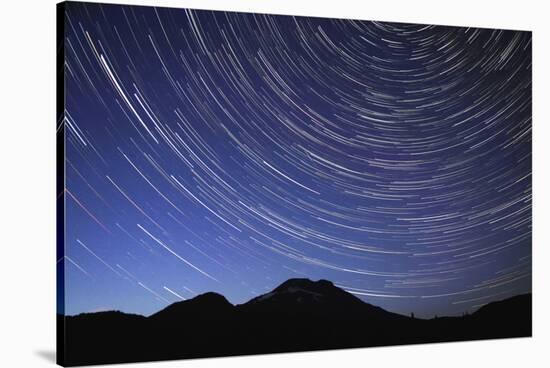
x=228 y=152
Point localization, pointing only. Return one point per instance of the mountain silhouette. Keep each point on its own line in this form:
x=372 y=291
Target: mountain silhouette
x=203 y=308
x=298 y=315
x=296 y=294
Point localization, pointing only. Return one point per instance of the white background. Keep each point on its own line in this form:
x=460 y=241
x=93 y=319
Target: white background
x=27 y=180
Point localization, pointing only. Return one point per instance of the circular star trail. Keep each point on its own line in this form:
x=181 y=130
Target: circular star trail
x=228 y=152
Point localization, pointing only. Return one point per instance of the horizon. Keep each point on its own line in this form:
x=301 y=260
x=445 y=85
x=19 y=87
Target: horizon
x=211 y=151
x=313 y=281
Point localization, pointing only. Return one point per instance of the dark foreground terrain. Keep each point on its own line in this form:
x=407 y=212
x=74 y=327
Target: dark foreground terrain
x=298 y=315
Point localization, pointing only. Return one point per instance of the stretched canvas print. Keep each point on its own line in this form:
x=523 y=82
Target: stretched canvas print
x=233 y=183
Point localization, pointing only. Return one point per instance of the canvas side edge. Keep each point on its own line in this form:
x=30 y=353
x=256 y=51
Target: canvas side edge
x=60 y=183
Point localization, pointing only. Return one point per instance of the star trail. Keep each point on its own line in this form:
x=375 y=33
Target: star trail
x=228 y=152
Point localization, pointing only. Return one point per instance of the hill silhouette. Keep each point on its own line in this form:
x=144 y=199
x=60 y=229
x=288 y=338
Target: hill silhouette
x=298 y=315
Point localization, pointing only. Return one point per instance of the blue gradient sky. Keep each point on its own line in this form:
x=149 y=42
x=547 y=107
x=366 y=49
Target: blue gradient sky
x=228 y=152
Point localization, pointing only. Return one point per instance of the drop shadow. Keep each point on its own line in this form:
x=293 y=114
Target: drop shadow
x=48 y=355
